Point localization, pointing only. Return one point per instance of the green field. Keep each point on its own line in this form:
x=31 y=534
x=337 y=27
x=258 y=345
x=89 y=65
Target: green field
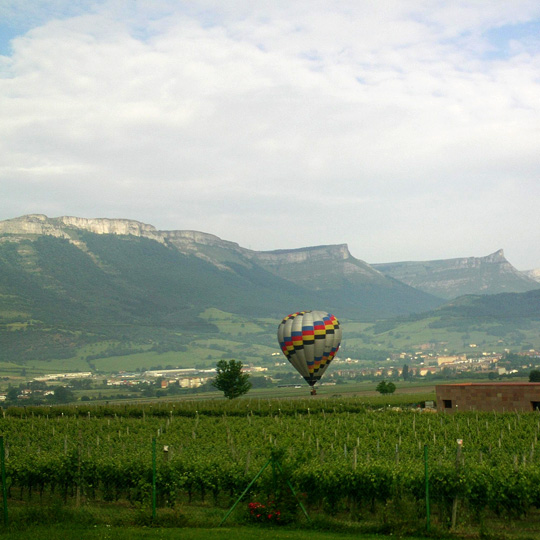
x=250 y=340
x=410 y=335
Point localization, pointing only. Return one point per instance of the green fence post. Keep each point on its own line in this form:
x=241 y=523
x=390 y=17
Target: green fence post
x=427 y=486
x=153 y=478
x=292 y=491
x=245 y=491
x=4 y=487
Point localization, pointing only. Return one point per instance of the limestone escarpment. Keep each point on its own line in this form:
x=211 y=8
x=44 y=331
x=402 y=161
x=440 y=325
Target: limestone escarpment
x=62 y=227
x=450 y=278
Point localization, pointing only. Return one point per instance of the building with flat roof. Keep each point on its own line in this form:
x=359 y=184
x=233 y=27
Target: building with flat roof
x=513 y=396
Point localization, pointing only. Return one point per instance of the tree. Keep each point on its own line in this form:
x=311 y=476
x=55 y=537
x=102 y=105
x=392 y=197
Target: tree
x=62 y=394
x=534 y=376
x=405 y=372
x=386 y=388
x=12 y=394
x=230 y=379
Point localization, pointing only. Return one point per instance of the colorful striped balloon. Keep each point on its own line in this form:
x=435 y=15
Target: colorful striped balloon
x=310 y=340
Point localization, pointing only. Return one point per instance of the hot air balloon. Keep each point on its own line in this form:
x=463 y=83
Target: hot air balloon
x=310 y=340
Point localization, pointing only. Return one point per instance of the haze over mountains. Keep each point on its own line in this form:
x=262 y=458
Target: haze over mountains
x=68 y=282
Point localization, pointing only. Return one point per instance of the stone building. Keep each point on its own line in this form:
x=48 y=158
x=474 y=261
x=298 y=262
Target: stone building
x=519 y=396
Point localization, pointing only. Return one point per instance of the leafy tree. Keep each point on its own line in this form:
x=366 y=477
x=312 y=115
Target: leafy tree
x=12 y=394
x=386 y=387
x=37 y=385
x=534 y=376
x=62 y=394
x=230 y=379
x=81 y=384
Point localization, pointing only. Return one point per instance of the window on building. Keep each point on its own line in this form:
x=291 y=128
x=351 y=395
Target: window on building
x=447 y=403
x=535 y=405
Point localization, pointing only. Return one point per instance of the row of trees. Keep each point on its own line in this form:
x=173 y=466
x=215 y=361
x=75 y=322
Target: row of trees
x=59 y=395
x=234 y=383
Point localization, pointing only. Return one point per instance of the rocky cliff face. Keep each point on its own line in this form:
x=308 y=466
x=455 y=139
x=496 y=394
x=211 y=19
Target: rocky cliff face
x=302 y=255
x=62 y=227
x=449 y=278
x=190 y=241
x=318 y=267
x=112 y=226
x=323 y=267
x=533 y=274
x=30 y=225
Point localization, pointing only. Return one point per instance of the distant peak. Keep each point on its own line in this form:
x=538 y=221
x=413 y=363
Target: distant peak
x=497 y=256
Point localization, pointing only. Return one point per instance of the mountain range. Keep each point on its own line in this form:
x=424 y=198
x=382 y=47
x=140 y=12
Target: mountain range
x=451 y=278
x=194 y=270
x=69 y=281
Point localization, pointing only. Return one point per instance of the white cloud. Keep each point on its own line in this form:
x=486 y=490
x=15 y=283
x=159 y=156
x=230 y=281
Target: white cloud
x=381 y=124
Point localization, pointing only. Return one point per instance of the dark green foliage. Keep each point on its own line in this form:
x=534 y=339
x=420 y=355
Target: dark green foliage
x=503 y=306
x=386 y=387
x=534 y=376
x=230 y=380
x=405 y=373
x=62 y=395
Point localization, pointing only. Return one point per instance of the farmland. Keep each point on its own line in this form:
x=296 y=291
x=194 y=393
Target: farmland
x=349 y=462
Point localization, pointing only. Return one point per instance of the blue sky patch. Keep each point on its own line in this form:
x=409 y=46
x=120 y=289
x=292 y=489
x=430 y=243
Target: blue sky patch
x=528 y=34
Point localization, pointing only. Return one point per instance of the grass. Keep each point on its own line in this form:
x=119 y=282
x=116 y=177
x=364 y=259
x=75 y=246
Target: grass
x=200 y=522
x=58 y=532
x=61 y=365
x=55 y=520
x=231 y=324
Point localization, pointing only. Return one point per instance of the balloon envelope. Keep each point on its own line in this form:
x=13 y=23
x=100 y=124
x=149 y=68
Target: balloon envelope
x=310 y=340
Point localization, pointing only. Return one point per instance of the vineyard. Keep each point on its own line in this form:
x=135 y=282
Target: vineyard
x=345 y=460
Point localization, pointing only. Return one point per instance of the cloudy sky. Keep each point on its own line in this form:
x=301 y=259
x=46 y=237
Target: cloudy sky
x=408 y=129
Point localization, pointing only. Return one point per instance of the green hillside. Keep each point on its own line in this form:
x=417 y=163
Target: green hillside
x=344 y=284
x=126 y=297
x=132 y=292
x=509 y=306
x=71 y=299
x=467 y=325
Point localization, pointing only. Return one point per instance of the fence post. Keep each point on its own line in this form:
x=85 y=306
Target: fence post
x=426 y=471
x=458 y=469
x=245 y=491
x=153 y=478
x=4 y=487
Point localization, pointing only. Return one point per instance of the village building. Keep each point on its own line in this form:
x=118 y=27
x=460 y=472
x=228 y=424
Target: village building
x=501 y=397
x=443 y=360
